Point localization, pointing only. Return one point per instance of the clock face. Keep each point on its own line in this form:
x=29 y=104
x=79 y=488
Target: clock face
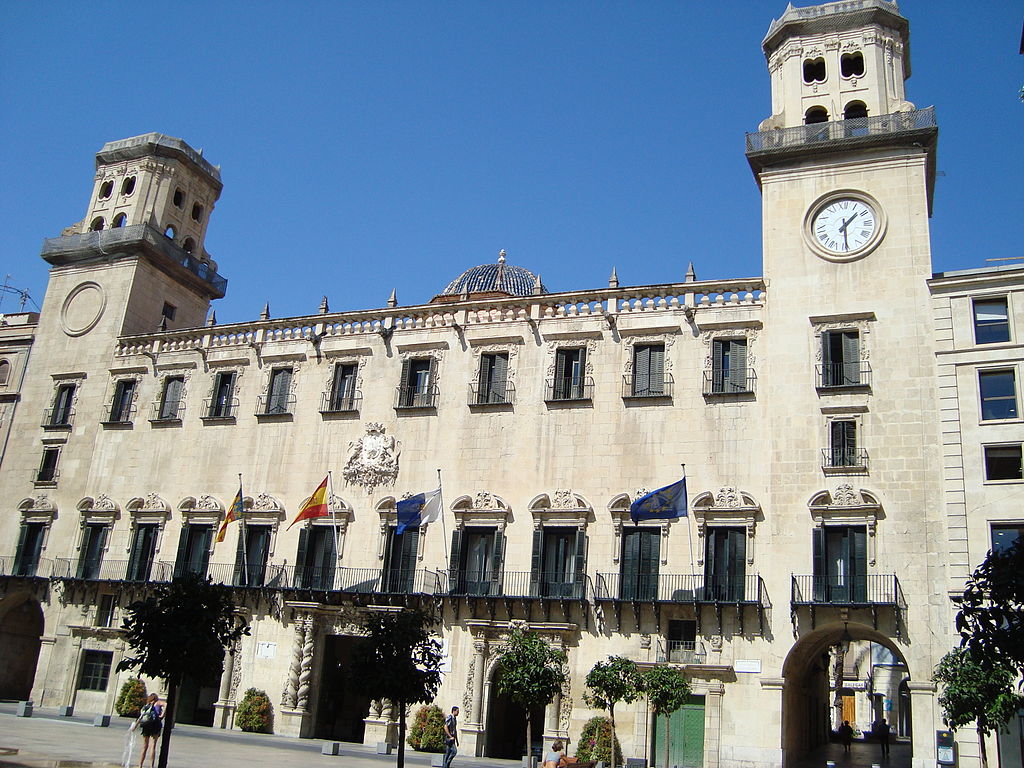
x=844 y=226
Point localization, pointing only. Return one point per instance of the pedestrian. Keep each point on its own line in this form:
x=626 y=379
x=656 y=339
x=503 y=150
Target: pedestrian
x=451 y=737
x=150 y=722
x=846 y=735
x=881 y=730
x=555 y=758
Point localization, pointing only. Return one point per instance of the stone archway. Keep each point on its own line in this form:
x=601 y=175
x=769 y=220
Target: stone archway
x=811 y=684
x=21 y=630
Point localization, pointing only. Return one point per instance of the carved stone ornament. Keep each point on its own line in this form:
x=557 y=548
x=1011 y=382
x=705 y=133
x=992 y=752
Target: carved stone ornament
x=729 y=497
x=589 y=344
x=104 y=503
x=372 y=459
x=207 y=503
x=750 y=334
x=563 y=499
x=153 y=503
x=640 y=493
x=486 y=500
x=630 y=342
x=512 y=350
x=467 y=694
x=845 y=496
x=264 y=502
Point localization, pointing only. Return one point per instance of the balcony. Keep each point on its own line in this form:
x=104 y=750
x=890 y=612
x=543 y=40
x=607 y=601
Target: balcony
x=721 y=382
x=411 y=397
x=106 y=570
x=167 y=413
x=58 y=418
x=358 y=581
x=516 y=584
x=844 y=461
x=647 y=387
x=899 y=128
x=341 y=402
x=503 y=393
x=26 y=568
x=851 y=375
x=680 y=652
x=570 y=390
x=874 y=592
x=219 y=409
x=120 y=415
x=274 y=406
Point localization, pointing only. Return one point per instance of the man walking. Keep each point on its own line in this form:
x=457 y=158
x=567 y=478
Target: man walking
x=451 y=737
x=881 y=730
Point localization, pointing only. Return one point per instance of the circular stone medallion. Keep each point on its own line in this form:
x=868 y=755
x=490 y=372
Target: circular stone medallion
x=82 y=309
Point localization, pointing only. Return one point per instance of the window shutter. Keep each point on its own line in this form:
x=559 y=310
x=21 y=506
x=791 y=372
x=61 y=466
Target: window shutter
x=19 y=557
x=203 y=542
x=499 y=379
x=406 y=385
x=850 y=441
x=737 y=563
x=179 y=560
x=641 y=370
x=497 y=561
x=582 y=377
x=717 y=366
x=455 y=562
x=657 y=369
x=302 y=579
x=536 y=561
x=710 y=550
x=851 y=357
x=630 y=564
x=241 y=577
x=561 y=387
x=484 y=379
x=431 y=383
x=134 y=555
x=580 y=569
x=738 y=365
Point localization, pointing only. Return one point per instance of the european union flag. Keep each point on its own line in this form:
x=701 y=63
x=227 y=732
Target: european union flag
x=663 y=504
x=418 y=511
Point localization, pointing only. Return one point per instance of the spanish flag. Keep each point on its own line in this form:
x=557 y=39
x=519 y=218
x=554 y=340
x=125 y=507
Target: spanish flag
x=234 y=513
x=315 y=505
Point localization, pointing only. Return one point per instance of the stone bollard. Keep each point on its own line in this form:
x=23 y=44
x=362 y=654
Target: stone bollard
x=383 y=748
x=331 y=748
x=67 y=711
x=101 y=721
x=436 y=761
x=24 y=709
x=636 y=762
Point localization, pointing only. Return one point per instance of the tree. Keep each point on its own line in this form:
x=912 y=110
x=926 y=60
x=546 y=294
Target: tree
x=183 y=628
x=667 y=690
x=991 y=617
x=532 y=672
x=610 y=682
x=398 y=661
x=975 y=692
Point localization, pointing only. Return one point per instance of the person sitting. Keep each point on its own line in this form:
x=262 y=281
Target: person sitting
x=555 y=758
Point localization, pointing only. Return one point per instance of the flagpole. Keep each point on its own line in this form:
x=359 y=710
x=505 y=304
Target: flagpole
x=444 y=530
x=245 y=548
x=689 y=536
x=334 y=522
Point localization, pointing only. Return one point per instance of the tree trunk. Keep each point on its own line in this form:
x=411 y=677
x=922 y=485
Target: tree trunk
x=981 y=748
x=611 y=740
x=529 y=736
x=668 y=731
x=173 y=688
x=401 y=733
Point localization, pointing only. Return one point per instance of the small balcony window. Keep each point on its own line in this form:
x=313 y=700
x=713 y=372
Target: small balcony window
x=841 y=364
x=418 y=388
x=342 y=397
x=62 y=413
x=842 y=452
x=170 y=406
x=48 y=472
x=729 y=374
x=279 y=400
x=222 y=404
x=570 y=381
x=492 y=386
x=122 y=406
x=649 y=378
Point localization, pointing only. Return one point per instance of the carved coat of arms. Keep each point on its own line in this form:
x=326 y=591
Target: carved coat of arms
x=372 y=459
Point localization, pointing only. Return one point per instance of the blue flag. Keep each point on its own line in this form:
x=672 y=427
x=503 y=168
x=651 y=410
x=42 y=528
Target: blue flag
x=418 y=510
x=663 y=504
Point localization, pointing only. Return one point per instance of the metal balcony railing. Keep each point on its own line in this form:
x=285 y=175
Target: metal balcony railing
x=341 y=402
x=844 y=458
x=871 y=589
x=681 y=651
x=414 y=397
x=13 y=566
x=57 y=418
x=46 y=475
x=842 y=131
x=358 y=580
x=498 y=393
x=719 y=382
x=636 y=387
x=679 y=588
x=220 y=408
x=101 y=570
x=275 y=405
x=517 y=584
x=120 y=414
x=852 y=374
x=170 y=411
x=570 y=389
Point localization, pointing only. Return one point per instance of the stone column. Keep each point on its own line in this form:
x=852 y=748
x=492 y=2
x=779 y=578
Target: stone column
x=713 y=723
x=224 y=707
x=924 y=716
x=296 y=719
x=471 y=732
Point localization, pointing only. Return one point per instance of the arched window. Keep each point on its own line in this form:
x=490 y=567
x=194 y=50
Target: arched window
x=106 y=189
x=854 y=110
x=179 y=198
x=128 y=186
x=815 y=115
x=197 y=212
x=120 y=220
x=5 y=372
x=97 y=224
x=170 y=232
x=189 y=245
x=852 y=64
x=814 y=70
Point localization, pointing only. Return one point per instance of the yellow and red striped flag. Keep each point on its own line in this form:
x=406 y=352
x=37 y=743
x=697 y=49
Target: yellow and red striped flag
x=234 y=513
x=315 y=505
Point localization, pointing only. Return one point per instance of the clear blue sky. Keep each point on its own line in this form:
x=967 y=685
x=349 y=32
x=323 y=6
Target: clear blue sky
x=367 y=146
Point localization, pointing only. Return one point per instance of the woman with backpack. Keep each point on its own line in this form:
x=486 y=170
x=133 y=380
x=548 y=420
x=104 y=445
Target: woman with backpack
x=150 y=723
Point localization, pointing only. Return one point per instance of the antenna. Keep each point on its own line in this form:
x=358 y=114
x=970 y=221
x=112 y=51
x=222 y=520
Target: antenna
x=22 y=295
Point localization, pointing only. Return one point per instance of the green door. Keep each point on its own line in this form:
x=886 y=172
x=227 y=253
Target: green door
x=686 y=737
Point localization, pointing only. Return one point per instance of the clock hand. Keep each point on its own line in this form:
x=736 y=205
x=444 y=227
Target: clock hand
x=846 y=223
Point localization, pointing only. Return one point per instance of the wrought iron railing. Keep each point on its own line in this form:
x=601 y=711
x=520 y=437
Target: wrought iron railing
x=100 y=570
x=647 y=386
x=164 y=412
x=498 y=393
x=679 y=588
x=853 y=374
x=570 y=389
x=343 y=402
x=844 y=458
x=56 y=418
x=14 y=566
x=518 y=584
x=416 y=397
x=721 y=382
x=275 y=405
x=220 y=408
x=841 y=130
x=358 y=580
x=681 y=651
x=120 y=414
x=870 y=589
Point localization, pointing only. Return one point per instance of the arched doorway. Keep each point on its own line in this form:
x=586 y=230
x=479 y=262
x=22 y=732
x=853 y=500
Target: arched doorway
x=506 y=725
x=21 y=627
x=842 y=671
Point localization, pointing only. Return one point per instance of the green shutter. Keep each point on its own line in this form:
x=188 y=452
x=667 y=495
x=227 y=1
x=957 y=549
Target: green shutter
x=561 y=388
x=240 y=576
x=19 y=557
x=657 y=370
x=536 y=561
x=497 y=560
x=580 y=566
x=180 y=566
x=818 y=563
x=738 y=365
x=205 y=535
x=455 y=562
x=642 y=370
x=301 y=577
x=630 y=568
x=851 y=357
x=499 y=379
x=718 y=371
x=406 y=387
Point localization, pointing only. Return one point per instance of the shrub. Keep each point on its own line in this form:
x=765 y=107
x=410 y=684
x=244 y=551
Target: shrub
x=595 y=741
x=131 y=698
x=427 y=731
x=255 y=714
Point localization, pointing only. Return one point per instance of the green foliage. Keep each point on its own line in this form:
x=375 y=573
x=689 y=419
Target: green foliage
x=131 y=698
x=427 y=731
x=255 y=714
x=596 y=740
x=398 y=661
x=971 y=692
x=610 y=682
x=991 y=617
x=532 y=672
x=666 y=687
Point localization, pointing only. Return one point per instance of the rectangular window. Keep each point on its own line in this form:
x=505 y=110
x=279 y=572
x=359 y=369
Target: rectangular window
x=105 y=611
x=61 y=413
x=141 y=552
x=840 y=564
x=30 y=546
x=316 y=559
x=492 y=383
x=399 y=574
x=48 y=472
x=559 y=562
x=193 y=550
x=90 y=556
x=570 y=382
x=417 y=389
x=649 y=370
x=998 y=394
x=1003 y=462
x=991 y=321
x=251 y=555
x=121 y=407
x=169 y=311
x=729 y=366
x=343 y=388
x=170 y=399
x=1005 y=535
x=842 y=450
x=476 y=561
x=682 y=642
x=95 y=670
x=222 y=403
x=279 y=392
x=840 y=357
x=725 y=552
x=641 y=549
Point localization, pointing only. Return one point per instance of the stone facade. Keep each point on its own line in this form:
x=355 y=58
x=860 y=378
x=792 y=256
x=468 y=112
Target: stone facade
x=804 y=405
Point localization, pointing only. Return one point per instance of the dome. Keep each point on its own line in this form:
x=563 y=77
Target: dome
x=499 y=277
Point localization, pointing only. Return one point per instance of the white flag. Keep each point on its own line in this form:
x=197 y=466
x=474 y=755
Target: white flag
x=431 y=511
